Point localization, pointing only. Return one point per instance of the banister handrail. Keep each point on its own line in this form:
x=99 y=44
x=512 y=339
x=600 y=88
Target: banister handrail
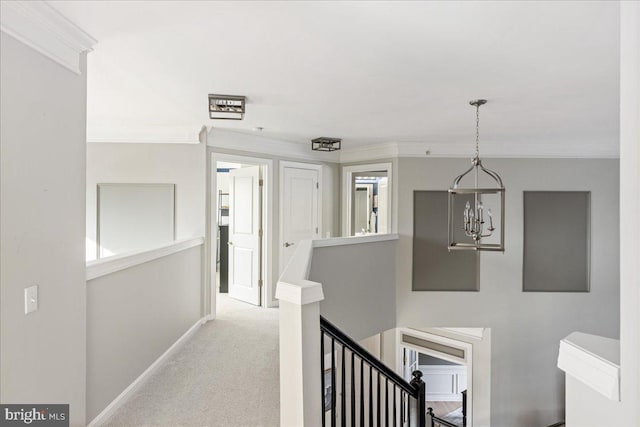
x=369 y=358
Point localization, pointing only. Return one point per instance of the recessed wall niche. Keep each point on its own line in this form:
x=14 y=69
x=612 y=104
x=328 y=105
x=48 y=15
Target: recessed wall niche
x=556 y=253
x=434 y=267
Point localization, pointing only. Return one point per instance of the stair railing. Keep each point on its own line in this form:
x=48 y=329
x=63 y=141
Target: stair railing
x=377 y=395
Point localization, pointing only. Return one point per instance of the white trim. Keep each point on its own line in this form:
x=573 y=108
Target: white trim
x=593 y=360
x=144 y=135
x=128 y=392
x=354 y=240
x=307 y=166
x=347 y=197
x=475 y=333
x=104 y=266
x=41 y=27
x=256 y=143
x=546 y=149
x=267 y=217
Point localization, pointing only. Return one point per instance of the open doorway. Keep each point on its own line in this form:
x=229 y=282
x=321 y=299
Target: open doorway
x=447 y=384
x=240 y=230
x=446 y=366
x=367 y=199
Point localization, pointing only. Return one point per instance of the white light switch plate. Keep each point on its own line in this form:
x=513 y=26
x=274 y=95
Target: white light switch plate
x=30 y=299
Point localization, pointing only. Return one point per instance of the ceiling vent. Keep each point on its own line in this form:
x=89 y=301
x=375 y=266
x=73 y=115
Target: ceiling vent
x=326 y=144
x=227 y=107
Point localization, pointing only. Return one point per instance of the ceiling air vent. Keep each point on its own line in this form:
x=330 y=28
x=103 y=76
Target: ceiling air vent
x=226 y=107
x=326 y=144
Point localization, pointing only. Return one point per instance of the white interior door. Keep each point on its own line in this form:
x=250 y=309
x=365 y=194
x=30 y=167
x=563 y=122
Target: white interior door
x=244 y=234
x=300 y=208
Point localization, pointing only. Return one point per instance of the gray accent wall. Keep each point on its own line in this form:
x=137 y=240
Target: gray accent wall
x=134 y=316
x=42 y=167
x=527 y=389
x=358 y=285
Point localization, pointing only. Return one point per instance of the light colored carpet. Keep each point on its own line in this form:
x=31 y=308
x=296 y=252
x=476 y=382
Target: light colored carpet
x=227 y=374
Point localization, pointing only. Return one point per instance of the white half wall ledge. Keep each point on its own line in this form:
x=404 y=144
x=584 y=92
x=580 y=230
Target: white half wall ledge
x=41 y=27
x=354 y=240
x=104 y=266
x=593 y=360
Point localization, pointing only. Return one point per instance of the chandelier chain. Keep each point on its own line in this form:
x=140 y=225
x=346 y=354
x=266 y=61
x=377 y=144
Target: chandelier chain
x=477 y=130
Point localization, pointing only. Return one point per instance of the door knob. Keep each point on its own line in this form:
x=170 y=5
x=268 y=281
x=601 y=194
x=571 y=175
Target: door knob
x=229 y=243
x=287 y=244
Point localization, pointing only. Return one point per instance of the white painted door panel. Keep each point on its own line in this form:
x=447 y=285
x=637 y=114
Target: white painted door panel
x=300 y=209
x=244 y=234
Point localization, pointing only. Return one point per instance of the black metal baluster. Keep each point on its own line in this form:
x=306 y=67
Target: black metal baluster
x=361 y=393
x=379 y=404
x=386 y=403
x=322 y=375
x=333 y=382
x=395 y=415
x=353 y=390
x=409 y=410
x=343 y=405
x=370 y=396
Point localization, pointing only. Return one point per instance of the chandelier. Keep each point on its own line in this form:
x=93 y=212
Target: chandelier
x=472 y=224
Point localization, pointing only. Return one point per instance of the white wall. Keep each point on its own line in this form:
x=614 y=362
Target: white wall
x=526 y=386
x=630 y=210
x=180 y=164
x=135 y=315
x=43 y=115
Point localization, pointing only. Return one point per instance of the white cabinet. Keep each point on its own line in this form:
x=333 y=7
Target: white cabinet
x=444 y=382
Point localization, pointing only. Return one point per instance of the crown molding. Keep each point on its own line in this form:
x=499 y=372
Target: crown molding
x=231 y=140
x=547 y=149
x=144 y=135
x=41 y=27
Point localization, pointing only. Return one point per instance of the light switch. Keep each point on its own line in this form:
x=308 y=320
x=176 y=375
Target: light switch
x=30 y=299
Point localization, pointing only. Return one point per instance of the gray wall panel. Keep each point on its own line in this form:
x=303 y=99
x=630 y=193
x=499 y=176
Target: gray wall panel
x=434 y=267
x=556 y=241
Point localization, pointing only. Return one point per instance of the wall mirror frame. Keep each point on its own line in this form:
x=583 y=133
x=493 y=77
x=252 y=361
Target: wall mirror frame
x=349 y=189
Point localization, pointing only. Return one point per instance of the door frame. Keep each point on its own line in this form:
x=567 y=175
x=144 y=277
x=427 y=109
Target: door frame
x=267 y=298
x=463 y=345
x=347 y=194
x=297 y=165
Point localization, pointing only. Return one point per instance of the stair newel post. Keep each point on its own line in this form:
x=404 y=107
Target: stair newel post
x=419 y=385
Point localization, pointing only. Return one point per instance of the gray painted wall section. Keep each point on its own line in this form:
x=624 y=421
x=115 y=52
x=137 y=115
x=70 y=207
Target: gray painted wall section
x=358 y=285
x=135 y=315
x=526 y=386
x=43 y=115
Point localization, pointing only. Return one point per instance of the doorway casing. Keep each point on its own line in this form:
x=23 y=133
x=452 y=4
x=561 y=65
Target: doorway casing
x=212 y=226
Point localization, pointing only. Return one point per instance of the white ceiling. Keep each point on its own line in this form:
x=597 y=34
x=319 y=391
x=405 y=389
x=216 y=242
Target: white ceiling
x=368 y=72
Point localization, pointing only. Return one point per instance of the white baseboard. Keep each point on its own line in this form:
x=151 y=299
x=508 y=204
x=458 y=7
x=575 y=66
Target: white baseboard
x=135 y=385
